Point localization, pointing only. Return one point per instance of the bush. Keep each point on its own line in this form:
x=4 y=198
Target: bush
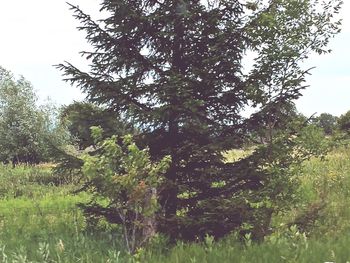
x=123 y=181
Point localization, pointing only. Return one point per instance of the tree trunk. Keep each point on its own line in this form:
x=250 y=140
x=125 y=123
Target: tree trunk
x=178 y=67
x=149 y=222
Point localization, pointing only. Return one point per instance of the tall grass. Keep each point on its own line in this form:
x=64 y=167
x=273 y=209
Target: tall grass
x=296 y=249
x=329 y=181
x=39 y=222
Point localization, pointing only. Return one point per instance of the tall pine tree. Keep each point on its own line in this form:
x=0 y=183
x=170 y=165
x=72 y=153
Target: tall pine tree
x=176 y=68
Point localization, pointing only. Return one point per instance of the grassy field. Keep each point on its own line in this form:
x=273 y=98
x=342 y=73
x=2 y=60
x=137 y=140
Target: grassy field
x=39 y=222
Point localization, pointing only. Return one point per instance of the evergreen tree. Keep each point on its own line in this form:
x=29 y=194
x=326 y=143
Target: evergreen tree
x=176 y=68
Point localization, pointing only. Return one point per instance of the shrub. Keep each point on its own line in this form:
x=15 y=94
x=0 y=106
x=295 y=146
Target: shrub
x=124 y=182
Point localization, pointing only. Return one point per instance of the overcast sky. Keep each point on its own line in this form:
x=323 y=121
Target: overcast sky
x=37 y=34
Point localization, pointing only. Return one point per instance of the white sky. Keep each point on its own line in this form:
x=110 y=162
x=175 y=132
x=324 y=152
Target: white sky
x=37 y=34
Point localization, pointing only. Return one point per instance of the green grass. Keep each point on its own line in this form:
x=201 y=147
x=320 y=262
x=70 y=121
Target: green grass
x=329 y=180
x=281 y=250
x=39 y=222
x=43 y=223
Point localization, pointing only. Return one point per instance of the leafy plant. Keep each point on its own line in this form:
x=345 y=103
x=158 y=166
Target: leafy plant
x=124 y=183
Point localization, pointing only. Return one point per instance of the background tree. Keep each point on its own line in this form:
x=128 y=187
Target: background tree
x=344 y=122
x=273 y=119
x=175 y=67
x=78 y=117
x=26 y=130
x=327 y=122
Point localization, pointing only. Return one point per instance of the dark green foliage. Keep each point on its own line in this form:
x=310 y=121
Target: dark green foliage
x=68 y=165
x=175 y=68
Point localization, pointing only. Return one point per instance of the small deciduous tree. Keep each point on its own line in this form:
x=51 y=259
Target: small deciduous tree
x=124 y=182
